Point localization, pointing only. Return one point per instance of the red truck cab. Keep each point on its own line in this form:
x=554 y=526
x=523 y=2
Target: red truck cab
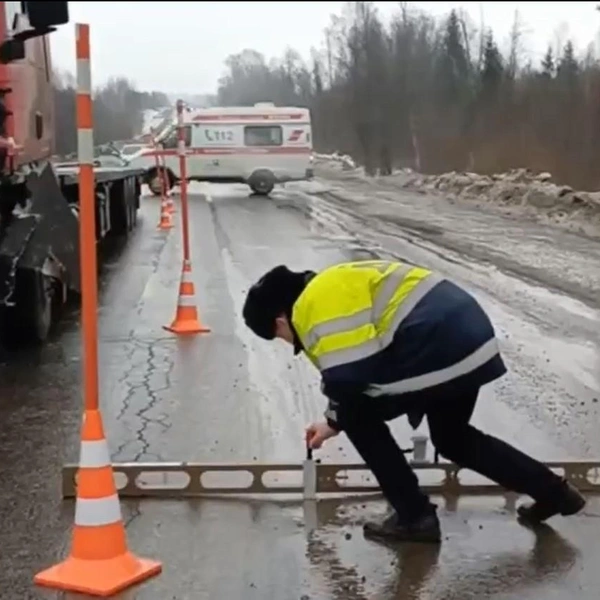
x=26 y=94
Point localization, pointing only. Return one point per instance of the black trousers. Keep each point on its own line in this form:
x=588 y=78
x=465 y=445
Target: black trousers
x=455 y=439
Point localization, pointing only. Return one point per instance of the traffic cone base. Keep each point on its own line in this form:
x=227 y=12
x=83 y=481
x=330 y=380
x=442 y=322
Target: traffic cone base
x=188 y=326
x=165 y=219
x=99 y=562
x=186 y=316
x=101 y=578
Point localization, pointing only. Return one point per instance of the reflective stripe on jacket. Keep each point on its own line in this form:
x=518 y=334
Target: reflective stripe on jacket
x=383 y=328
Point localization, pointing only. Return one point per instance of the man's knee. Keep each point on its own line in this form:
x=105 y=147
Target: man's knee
x=450 y=444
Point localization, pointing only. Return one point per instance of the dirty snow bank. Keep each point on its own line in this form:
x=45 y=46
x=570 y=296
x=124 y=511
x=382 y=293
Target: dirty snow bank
x=518 y=187
x=343 y=160
x=517 y=193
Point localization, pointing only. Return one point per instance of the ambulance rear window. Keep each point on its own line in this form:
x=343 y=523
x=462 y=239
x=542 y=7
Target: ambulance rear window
x=263 y=135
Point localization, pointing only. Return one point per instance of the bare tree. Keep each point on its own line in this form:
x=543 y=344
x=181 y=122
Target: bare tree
x=118 y=110
x=437 y=95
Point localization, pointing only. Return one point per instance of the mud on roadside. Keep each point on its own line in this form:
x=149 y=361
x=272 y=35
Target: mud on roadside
x=518 y=194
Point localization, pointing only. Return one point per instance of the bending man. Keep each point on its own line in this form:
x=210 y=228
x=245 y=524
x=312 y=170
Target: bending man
x=392 y=339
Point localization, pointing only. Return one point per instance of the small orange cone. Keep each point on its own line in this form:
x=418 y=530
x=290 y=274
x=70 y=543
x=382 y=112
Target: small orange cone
x=170 y=204
x=165 y=222
x=99 y=563
x=165 y=192
x=186 y=317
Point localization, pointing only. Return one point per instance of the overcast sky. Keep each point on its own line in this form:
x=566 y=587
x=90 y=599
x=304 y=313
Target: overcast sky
x=181 y=46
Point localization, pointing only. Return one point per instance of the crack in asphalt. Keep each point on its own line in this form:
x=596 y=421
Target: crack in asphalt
x=132 y=513
x=145 y=359
x=152 y=362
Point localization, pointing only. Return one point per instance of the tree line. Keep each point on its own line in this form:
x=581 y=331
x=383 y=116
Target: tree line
x=435 y=95
x=118 y=111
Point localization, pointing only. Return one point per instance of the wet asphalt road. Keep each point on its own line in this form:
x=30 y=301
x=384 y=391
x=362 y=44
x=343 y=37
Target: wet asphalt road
x=229 y=397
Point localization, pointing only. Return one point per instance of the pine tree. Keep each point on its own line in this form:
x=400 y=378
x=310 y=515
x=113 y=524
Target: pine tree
x=453 y=68
x=493 y=68
x=548 y=66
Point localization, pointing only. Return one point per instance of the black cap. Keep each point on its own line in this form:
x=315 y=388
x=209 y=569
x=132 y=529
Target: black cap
x=273 y=294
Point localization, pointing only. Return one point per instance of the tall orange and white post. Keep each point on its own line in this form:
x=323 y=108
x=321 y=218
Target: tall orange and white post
x=99 y=562
x=186 y=316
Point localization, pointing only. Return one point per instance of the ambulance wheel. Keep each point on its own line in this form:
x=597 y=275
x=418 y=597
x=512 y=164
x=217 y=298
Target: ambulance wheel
x=155 y=182
x=262 y=182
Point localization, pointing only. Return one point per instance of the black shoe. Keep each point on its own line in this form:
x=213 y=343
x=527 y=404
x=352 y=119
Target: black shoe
x=565 y=500
x=424 y=529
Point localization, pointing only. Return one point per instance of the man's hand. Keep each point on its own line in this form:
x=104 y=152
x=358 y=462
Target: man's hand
x=317 y=433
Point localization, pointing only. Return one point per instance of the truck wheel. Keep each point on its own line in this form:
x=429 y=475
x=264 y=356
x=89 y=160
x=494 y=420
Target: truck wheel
x=42 y=317
x=133 y=202
x=262 y=182
x=129 y=198
x=133 y=214
x=30 y=321
x=123 y=214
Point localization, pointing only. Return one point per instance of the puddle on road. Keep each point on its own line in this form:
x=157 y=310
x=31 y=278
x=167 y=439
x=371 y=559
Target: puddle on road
x=271 y=552
x=485 y=554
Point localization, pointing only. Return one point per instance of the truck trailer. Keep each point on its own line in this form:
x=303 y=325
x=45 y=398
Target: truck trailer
x=39 y=227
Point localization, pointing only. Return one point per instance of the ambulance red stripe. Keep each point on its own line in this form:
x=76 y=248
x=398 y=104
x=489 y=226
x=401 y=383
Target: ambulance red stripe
x=240 y=150
x=243 y=117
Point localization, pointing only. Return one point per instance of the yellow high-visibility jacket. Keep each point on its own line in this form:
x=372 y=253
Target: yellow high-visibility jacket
x=384 y=328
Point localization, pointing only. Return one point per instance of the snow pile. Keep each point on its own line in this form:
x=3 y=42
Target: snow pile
x=309 y=186
x=519 y=191
x=518 y=187
x=345 y=161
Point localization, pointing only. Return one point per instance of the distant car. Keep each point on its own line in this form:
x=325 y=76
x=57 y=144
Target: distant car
x=131 y=149
x=111 y=160
x=102 y=160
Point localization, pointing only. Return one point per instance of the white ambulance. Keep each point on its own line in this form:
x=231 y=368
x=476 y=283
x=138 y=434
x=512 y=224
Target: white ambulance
x=259 y=145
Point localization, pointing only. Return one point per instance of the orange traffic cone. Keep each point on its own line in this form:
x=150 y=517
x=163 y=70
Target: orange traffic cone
x=165 y=192
x=99 y=563
x=186 y=317
x=170 y=203
x=165 y=216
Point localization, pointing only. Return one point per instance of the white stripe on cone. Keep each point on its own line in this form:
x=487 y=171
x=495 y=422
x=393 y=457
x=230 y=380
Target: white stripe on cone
x=94 y=512
x=187 y=300
x=186 y=277
x=94 y=455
